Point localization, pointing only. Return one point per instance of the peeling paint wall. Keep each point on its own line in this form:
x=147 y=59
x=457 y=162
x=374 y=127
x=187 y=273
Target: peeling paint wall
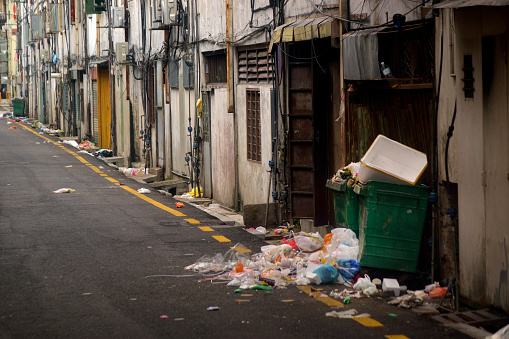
x=480 y=156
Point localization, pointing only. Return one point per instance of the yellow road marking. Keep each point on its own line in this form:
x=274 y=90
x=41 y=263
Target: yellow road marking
x=206 y=229
x=192 y=221
x=368 y=322
x=317 y=295
x=95 y=169
x=110 y=179
x=82 y=160
x=221 y=238
x=396 y=336
x=103 y=175
x=153 y=202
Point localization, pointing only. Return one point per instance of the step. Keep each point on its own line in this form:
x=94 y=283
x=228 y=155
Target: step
x=179 y=186
x=118 y=161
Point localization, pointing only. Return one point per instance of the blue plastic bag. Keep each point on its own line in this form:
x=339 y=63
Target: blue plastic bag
x=327 y=273
x=348 y=268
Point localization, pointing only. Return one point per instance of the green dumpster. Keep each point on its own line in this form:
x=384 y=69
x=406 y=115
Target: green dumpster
x=18 y=106
x=391 y=221
x=346 y=205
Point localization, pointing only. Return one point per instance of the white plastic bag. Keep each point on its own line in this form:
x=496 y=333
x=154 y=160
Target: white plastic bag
x=364 y=283
x=309 y=242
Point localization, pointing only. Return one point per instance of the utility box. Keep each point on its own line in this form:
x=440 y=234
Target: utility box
x=169 y=11
x=44 y=54
x=55 y=18
x=122 y=50
x=118 y=17
x=95 y=6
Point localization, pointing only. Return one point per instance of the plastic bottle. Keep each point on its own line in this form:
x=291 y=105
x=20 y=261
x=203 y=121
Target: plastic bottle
x=386 y=71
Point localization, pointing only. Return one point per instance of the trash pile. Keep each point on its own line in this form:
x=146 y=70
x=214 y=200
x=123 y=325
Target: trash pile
x=131 y=171
x=348 y=174
x=43 y=129
x=305 y=259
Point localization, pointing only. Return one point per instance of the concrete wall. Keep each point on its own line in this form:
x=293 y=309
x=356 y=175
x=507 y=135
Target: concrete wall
x=379 y=13
x=479 y=158
x=304 y=7
x=253 y=176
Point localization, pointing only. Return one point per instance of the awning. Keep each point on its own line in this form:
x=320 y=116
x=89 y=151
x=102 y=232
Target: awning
x=470 y=3
x=301 y=30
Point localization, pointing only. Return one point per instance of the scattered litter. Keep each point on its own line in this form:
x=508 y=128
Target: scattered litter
x=342 y=314
x=164 y=316
x=179 y=204
x=391 y=285
x=260 y=287
x=144 y=191
x=407 y=301
x=393 y=315
x=346 y=300
x=238 y=290
x=86 y=293
x=503 y=333
x=178 y=319
x=37 y=143
x=213 y=308
x=288 y=300
x=9 y=122
x=73 y=143
x=12 y=127
x=64 y=190
x=240 y=301
x=68 y=166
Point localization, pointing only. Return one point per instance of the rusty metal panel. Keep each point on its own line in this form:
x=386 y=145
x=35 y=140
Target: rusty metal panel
x=405 y=116
x=302 y=206
x=302 y=128
x=301 y=180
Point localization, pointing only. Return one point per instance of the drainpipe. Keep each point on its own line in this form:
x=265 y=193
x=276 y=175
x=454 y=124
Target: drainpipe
x=113 y=99
x=230 y=57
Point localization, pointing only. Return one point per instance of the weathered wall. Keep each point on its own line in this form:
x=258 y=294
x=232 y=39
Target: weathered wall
x=304 y=7
x=482 y=154
x=223 y=149
x=379 y=12
x=253 y=176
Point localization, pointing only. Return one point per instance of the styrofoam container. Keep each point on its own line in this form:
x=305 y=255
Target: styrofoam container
x=389 y=160
x=391 y=285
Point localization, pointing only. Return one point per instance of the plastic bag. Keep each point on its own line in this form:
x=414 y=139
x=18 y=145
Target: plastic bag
x=326 y=273
x=363 y=283
x=309 y=242
x=348 y=268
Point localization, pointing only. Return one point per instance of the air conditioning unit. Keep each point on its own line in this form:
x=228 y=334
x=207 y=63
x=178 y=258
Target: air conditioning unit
x=169 y=11
x=118 y=17
x=3 y=68
x=4 y=56
x=19 y=80
x=156 y=10
x=122 y=50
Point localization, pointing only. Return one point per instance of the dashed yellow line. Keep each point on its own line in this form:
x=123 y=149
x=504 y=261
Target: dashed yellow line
x=192 y=221
x=206 y=229
x=221 y=238
x=103 y=175
x=82 y=160
x=368 y=322
x=111 y=179
x=95 y=169
x=317 y=295
x=153 y=202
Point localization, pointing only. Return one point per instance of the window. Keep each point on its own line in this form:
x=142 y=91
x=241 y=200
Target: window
x=215 y=68
x=253 y=125
x=468 y=76
x=255 y=66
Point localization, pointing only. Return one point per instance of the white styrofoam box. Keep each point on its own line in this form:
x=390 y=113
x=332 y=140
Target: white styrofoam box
x=391 y=285
x=389 y=160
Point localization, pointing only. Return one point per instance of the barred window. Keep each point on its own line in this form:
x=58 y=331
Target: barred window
x=255 y=66
x=253 y=125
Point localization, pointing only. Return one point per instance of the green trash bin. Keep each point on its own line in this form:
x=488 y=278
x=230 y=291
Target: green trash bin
x=18 y=107
x=346 y=205
x=391 y=221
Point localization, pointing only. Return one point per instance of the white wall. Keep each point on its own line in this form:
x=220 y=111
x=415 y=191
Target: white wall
x=478 y=157
x=380 y=12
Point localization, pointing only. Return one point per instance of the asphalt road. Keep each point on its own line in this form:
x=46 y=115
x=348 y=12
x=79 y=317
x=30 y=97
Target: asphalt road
x=82 y=264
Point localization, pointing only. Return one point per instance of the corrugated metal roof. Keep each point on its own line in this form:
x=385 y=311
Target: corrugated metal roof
x=470 y=3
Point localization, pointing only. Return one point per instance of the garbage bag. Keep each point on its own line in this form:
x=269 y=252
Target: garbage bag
x=309 y=242
x=326 y=273
x=348 y=268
